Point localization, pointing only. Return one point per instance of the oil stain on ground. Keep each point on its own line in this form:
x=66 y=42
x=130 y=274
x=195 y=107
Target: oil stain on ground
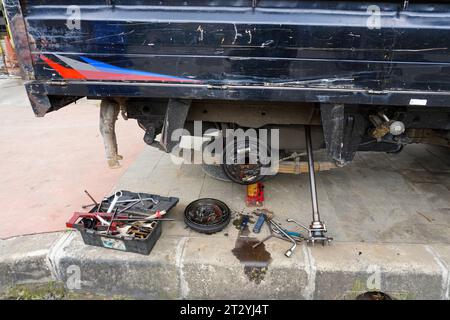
x=255 y=260
x=238 y=221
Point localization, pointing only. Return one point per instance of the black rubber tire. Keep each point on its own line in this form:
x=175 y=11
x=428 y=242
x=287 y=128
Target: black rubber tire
x=205 y=228
x=227 y=170
x=400 y=149
x=230 y=176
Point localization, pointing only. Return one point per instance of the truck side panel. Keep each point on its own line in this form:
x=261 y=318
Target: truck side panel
x=325 y=51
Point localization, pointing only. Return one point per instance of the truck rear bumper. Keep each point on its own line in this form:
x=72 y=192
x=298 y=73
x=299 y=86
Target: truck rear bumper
x=41 y=94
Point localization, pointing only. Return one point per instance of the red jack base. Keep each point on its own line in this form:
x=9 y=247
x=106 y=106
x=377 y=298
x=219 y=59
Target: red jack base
x=255 y=195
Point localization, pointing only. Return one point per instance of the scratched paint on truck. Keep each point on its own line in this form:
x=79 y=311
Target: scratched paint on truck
x=271 y=50
x=90 y=69
x=273 y=43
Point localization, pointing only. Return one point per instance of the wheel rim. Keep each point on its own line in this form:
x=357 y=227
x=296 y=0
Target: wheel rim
x=207 y=212
x=245 y=173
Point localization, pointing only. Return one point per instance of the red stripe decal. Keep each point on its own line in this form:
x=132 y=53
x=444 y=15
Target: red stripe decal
x=66 y=73
x=102 y=75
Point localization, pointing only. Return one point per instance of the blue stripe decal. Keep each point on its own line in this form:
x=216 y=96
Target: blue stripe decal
x=110 y=68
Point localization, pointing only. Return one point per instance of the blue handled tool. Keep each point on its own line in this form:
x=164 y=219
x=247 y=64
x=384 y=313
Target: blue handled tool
x=245 y=220
x=292 y=233
x=259 y=223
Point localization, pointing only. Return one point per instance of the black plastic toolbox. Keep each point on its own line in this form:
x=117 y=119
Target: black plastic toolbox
x=124 y=243
x=128 y=244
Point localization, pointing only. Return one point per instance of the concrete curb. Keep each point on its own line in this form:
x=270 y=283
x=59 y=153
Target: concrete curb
x=23 y=260
x=189 y=267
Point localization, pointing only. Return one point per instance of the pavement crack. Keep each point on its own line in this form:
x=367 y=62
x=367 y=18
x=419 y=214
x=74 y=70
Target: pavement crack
x=179 y=257
x=310 y=269
x=445 y=272
x=55 y=254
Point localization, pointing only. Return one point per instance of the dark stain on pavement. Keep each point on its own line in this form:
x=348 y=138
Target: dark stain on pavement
x=255 y=260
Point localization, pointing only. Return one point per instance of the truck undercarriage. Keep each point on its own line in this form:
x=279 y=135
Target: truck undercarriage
x=365 y=76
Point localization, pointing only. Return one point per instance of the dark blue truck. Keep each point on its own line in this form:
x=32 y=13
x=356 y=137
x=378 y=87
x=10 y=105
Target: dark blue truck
x=365 y=75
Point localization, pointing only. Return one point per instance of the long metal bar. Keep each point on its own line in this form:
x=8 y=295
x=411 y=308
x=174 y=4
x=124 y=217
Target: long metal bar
x=91 y=197
x=130 y=206
x=138 y=200
x=312 y=176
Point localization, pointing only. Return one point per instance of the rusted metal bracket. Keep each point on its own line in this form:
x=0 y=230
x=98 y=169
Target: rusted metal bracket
x=342 y=132
x=19 y=32
x=177 y=111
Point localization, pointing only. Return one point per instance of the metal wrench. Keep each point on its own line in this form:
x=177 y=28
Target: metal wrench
x=112 y=219
x=113 y=203
x=293 y=234
x=294 y=243
x=140 y=199
x=136 y=219
x=301 y=226
x=143 y=199
x=129 y=206
x=311 y=237
x=262 y=241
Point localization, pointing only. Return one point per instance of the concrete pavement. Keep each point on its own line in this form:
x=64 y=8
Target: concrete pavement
x=46 y=163
x=203 y=267
x=389 y=215
x=402 y=198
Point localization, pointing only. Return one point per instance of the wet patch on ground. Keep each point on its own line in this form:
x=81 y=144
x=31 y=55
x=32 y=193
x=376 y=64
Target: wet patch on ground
x=255 y=260
x=374 y=295
x=238 y=221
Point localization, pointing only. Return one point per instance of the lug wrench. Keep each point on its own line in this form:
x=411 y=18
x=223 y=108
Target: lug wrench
x=293 y=234
x=301 y=225
x=294 y=243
